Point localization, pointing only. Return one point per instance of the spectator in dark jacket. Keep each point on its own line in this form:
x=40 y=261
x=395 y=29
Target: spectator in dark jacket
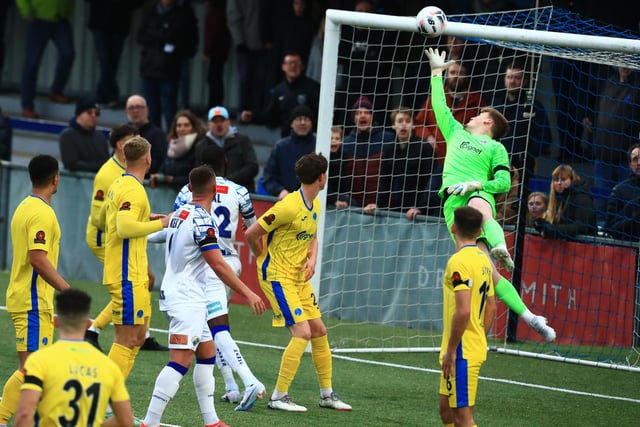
x=217 y=43
x=82 y=147
x=109 y=21
x=138 y=115
x=242 y=162
x=279 y=177
x=362 y=153
x=570 y=211
x=186 y=129
x=623 y=207
x=169 y=36
x=6 y=137
x=406 y=168
x=296 y=89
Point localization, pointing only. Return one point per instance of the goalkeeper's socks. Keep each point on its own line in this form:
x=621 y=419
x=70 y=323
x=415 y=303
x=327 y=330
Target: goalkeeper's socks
x=493 y=233
x=509 y=296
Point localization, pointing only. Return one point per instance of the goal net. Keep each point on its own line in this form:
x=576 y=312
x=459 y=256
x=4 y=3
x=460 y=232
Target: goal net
x=381 y=273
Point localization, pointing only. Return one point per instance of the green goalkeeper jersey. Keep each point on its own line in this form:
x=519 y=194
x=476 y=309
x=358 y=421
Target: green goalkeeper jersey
x=469 y=157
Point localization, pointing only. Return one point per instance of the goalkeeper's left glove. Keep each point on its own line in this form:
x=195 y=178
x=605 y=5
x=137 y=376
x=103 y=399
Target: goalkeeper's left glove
x=464 y=187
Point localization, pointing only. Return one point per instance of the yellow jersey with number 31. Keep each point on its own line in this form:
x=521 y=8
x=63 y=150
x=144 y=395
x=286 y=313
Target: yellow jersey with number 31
x=76 y=381
x=291 y=227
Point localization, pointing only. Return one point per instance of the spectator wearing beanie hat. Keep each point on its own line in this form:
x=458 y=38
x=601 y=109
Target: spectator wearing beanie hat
x=362 y=152
x=279 y=177
x=82 y=147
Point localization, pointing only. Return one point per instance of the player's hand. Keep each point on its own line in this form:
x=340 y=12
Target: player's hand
x=256 y=303
x=165 y=219
x=449 y=364
x=463 y=188
x=309 y=269
x=152 y=279
x=437 y=61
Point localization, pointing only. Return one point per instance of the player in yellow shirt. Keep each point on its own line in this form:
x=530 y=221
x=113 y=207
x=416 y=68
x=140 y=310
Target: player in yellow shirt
x=285 y=243
x=111 y=170
x=35 y=240
x=468 y=311
x=128 y=222
x=71 y=383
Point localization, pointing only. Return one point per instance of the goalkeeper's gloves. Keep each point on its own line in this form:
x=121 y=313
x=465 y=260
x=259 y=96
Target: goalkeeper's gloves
x=437 y=60
x=464 y=187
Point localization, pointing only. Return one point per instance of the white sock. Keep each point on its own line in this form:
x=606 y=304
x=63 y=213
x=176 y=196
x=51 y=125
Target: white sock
x=205 y=385
x=527 y=316
x=277 y=395
x=226 y=371
x=232 y=356
x=94 y=329
x=325 y=392
x=167 y=384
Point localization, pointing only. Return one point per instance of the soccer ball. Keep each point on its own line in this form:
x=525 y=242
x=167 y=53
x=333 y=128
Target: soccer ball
x=430 y=21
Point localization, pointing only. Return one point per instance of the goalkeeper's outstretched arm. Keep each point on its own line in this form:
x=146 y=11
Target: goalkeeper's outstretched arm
x=437 y=61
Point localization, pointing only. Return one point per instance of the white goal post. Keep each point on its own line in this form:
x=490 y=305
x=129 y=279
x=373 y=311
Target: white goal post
x=614 y=51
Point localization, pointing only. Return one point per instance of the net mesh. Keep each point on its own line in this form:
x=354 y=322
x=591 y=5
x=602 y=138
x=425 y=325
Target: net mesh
x=381 y=285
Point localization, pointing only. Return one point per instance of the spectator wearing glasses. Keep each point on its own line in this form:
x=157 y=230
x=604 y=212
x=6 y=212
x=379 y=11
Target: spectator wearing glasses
x=138 y=115
x=295 y=90
x=82 y=147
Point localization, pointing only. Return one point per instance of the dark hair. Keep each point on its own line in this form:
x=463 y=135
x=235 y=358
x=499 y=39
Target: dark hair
x=42 y=169
x=214 y=156
x=200 y=177
x=121 y=131
x=500 y=126
x=197 y=124
x=310 y=166
x=468 y=221
x=73 y=302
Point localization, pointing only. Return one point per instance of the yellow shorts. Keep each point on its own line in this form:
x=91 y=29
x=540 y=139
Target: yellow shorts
x=462 y=388
x=130 y=302
x=34 y=329
x=95 y=241
x=291 y=303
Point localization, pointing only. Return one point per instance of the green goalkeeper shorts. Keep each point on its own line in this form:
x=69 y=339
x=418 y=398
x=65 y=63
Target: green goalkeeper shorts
x=454 y=202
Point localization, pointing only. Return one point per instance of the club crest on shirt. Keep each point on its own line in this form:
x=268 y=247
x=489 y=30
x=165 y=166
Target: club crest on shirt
x=99 y=196
x=40 y=237
x=269 y=219
x=126 y=206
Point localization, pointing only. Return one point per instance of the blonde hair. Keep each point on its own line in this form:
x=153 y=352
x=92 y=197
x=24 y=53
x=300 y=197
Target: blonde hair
x=556 y=208
x=135 y=148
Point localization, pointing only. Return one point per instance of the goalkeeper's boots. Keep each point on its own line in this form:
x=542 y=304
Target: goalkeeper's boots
x=539 y=324
x=333 y=402
x=285 y=404
x=501 y=254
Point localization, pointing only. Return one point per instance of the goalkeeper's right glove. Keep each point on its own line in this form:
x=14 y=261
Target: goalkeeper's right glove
x=437 y=61
x=462 y=188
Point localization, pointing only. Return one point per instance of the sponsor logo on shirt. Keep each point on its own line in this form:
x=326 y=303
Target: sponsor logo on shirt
x=222 y=189
x=99 y=196
x=466 y=146
x=269 y=219
x=40 y=238
x=126 y=206
x=303 y=235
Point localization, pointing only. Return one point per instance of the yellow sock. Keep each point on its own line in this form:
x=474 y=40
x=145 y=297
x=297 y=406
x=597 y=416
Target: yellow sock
x=134 y=352
x=122 y=356
x=104 y=318
x=321 y=356
x=290 y=362
x=10 y=396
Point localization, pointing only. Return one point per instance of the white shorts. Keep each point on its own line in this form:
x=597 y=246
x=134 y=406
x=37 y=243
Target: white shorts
x=188 y=327
x=217 y=293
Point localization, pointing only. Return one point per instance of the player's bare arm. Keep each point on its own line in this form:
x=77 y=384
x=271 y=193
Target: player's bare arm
x=26 y=408
x=254 y=238
x=489 y=313
x=122 y=415
x=39 y=261
x=309 y=266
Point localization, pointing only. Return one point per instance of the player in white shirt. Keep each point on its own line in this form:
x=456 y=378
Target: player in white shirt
x=231 y=201
x=191 y=251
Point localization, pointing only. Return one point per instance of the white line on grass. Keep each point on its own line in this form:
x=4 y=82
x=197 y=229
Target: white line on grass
x=432 y=371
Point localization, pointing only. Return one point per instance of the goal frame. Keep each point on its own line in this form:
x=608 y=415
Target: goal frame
x=334 y=19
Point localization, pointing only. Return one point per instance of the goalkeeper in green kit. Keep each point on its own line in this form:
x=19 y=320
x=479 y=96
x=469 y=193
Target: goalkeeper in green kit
x=476 y=167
